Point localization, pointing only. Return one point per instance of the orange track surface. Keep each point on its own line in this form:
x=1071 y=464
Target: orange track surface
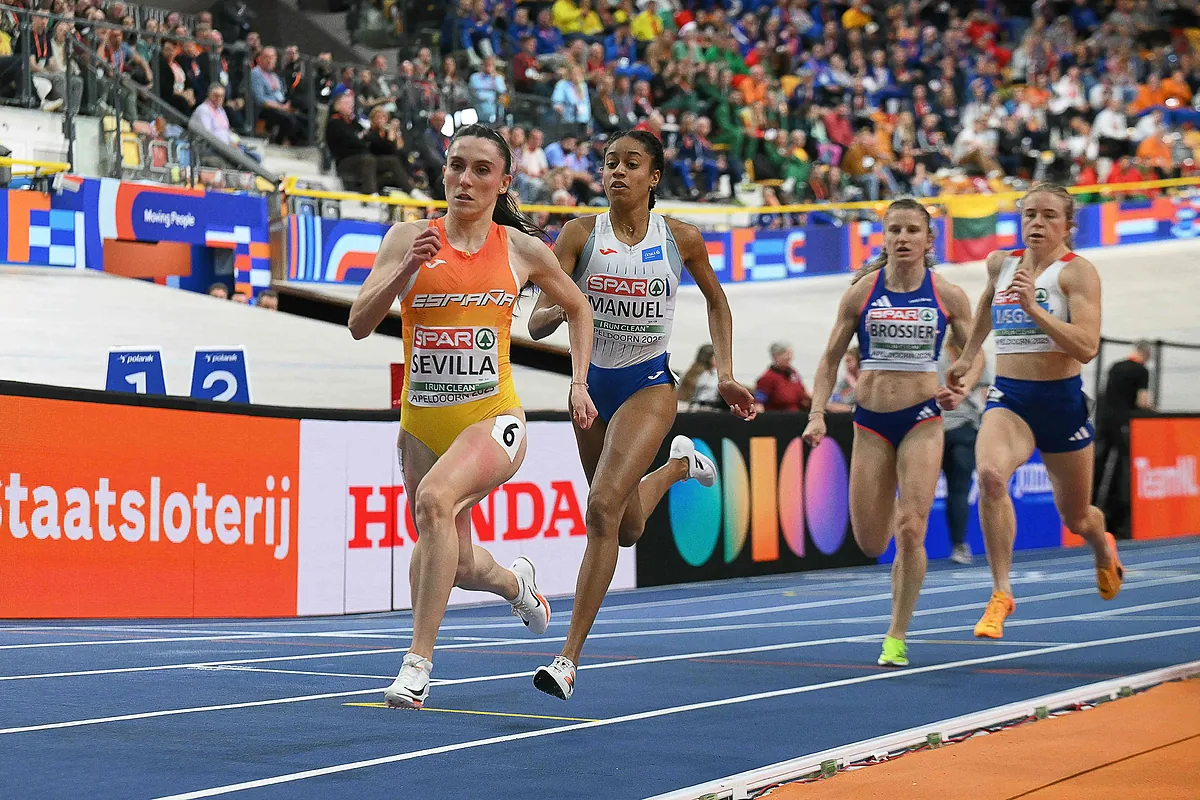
x=1145 y=747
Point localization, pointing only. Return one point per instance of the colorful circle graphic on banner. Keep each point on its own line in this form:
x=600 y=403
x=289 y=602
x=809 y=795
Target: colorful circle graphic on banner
x=695 y=513
x=791 y=496
x=737 y=499
x=827 y=496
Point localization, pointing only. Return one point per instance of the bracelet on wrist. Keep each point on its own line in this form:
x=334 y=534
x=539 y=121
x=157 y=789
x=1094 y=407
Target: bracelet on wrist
x=816 y=413
x=579 y=383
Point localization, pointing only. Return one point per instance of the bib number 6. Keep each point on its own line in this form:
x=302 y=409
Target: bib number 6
x=509 y=432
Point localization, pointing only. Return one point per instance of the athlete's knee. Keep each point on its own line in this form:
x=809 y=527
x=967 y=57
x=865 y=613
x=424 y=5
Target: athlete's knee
x=993 y=482
x=433 y=510
x=910 y=531
x=603 y=516
x=1084 y=520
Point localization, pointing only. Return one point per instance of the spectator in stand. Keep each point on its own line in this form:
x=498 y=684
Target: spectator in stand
x=432 y=145
x=780 y=388
x=347 y=143
x=572 y=102
x=490 y=92
x=173 y=80
x=282 y=119
x=698 y=387
x=386 y=143
x=123 y=60
x=842 y=398
x=268 y=300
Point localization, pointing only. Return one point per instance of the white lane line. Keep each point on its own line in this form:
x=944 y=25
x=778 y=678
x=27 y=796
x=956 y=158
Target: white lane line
x=160 y=640
x=633 y=662
x=653 y=632
x=663 y=712
x=233 y=668
x=401 y=632
x=838 y=601
x=807 y=581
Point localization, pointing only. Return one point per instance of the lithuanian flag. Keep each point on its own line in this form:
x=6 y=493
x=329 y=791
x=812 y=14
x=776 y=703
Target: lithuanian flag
x=972 y=229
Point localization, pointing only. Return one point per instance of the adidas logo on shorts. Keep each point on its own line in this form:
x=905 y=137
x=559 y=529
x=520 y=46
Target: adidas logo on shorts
x=925 y=413
x=1079 y=435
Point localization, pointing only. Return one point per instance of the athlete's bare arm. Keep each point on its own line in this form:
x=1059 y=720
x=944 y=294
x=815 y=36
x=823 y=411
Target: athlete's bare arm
x=958 y=309
x=849 y=310
x=404 y=249
x=546 y=315
x=536 y=263
x=982 y=324
x=720 y=320
x=1079 y=338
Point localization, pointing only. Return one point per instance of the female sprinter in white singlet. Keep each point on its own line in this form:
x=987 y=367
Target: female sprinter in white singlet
x=1043 y=303
x=900 y=315
x=628 y=262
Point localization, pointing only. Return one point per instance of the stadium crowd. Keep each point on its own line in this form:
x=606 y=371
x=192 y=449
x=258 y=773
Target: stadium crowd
x=813 y=99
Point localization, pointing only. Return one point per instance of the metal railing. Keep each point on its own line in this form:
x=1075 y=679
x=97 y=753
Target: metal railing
x=1174 y=371
x=189 y=148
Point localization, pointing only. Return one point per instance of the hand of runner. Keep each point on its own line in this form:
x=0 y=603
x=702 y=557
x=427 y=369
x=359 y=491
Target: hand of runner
x=583 y=411
x=738 y=398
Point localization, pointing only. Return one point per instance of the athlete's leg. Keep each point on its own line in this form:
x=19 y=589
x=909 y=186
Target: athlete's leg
x=918 y=464
x=649 y=494
x=872 y=491
x=1005 y=442
x=1071 y=479
x=473 y=465
x=477 y=570
x=631 y=441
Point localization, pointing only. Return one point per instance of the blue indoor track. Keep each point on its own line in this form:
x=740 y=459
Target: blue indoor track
x=678 y=685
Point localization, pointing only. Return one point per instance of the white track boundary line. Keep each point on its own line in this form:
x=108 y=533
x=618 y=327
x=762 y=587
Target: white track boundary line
x=766 y=648
x=662 y=712
x=739 y=786
x=397 y=633
x=643 y=633
x=815 y=579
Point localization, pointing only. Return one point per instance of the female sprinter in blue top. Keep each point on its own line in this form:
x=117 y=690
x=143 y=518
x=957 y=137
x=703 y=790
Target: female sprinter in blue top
x=900 y=310
x=1043 y=302
x=628 y=262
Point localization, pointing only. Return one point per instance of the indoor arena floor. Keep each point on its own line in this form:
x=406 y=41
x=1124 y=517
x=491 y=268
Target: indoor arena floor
x=679 y=685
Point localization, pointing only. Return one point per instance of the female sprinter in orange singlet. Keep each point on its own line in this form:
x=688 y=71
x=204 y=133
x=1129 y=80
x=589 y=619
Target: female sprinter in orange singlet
x=1043 y=303
x=900 y=315
x=462 y=429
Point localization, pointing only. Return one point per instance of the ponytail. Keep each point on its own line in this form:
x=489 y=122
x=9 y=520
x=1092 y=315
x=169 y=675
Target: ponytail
x=507 y=212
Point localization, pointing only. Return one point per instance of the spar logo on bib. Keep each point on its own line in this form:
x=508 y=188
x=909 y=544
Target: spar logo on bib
x=657 y=287
x=622 y=287
x=485 y=339
x=443 y=338
x=1040 y=295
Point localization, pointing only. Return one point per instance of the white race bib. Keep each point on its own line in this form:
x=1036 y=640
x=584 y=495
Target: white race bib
x=902 y=335
x=449 y=366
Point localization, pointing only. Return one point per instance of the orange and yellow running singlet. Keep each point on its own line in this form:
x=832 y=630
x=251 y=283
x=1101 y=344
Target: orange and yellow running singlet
x=456 y=316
